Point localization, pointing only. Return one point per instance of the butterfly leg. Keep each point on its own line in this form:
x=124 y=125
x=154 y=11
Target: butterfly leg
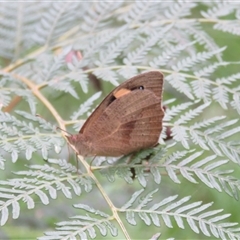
x=92 y=162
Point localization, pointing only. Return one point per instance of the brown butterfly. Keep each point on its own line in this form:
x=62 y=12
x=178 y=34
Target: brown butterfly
x=129 y=119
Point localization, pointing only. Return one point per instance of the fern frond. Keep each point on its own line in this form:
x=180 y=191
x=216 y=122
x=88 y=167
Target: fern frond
x=137 y=56
x=235 y=103
x=2 y=162
x=191 y=114
x=228 y=26
x=55 y=21
x=189 y=62
x=176 y=110
x=213 y=140
x=107 y=75
x=85 y=107
x=221 y=90
x=16 y=35
x=207 y=136
x=207 y=171
x=168 y=54
x=18 y=136
x=179 y=9
x=220 y=95
x=206 y=71
x=201 y=37
x=122 y=166
x=202 y=89
x=128 y=71
x=43 y=181
x=179 y=82
x=84 y=226
x=50 y=71
x=98 y=15
x=109 y=55
x=139 y=11
x=197 y=215
x=90 y=45
x=6 y=93
x=10 y=86
x=228 y=80
x=218 y=9
x=179 y=132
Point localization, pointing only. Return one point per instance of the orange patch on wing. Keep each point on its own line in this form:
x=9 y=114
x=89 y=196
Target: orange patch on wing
x=121 y=92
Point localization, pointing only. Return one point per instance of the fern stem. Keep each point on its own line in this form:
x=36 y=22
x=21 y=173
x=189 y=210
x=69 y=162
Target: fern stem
x=105 y=196
x=42 y=98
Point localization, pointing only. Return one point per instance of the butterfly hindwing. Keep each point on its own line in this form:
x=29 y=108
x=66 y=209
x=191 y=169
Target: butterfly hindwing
x=132 y=122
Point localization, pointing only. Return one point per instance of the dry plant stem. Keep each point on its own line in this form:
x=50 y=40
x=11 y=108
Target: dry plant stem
x=11 y=67
x=12 y=104
x=42 y=98
x=109 y=202
x=24 y=60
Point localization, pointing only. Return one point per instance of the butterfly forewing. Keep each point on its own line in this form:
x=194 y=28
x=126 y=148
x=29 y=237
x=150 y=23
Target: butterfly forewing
x=152 y=81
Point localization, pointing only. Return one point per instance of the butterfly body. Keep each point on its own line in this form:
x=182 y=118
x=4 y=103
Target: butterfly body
x=128 y=119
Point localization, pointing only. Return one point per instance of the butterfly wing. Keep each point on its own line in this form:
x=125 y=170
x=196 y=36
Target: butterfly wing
x=152 y=81
x=130 y=123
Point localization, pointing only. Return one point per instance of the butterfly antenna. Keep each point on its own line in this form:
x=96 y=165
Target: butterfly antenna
x=38 y=115
x=58 y=128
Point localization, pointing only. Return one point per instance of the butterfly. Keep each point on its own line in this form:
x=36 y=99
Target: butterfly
x=129 y=119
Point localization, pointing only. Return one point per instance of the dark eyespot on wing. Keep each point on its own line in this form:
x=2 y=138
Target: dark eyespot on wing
x=138 y=88
x=111 y=100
